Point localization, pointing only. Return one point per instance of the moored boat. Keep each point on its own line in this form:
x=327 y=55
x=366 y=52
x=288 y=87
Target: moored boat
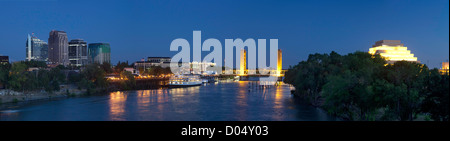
x=184 y=81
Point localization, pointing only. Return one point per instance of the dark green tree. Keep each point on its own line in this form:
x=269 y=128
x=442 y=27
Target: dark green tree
x=18 y=77
x=351 y=94
x=129 y=82
x=120 y=66
x=408 y=79
x=93 y=75
x=437 y=100
x=106 y=67
x=309 y=76
x=4 y=74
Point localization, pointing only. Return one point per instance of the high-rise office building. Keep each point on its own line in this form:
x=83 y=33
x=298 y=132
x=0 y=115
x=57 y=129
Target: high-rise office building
x=36 y=49
x=78 y=52
x=392 y=51
x=58 y=48
x=99 y=53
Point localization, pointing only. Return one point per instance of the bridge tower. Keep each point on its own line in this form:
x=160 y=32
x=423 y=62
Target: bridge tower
x=280 y=61
x=243 y=62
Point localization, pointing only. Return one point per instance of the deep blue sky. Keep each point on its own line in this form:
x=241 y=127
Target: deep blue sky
x=137 y=28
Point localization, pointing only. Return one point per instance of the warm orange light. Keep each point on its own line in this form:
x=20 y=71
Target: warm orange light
x=279 y=61
x=243 y=63
x=445 y=68
x=393 y=53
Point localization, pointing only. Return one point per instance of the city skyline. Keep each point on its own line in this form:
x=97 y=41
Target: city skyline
x=219 y=69
x=141 y=29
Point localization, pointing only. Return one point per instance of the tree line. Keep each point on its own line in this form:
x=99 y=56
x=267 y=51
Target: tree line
x=18 y=77
x=361 y=86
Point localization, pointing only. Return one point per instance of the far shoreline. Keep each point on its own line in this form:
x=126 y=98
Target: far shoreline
x=8 y=96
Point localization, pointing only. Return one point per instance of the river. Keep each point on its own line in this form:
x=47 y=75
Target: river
x=224 y=101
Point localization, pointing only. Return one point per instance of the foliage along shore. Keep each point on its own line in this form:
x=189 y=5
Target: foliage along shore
x=10 y=96
x=22 y=84
x=360 y=86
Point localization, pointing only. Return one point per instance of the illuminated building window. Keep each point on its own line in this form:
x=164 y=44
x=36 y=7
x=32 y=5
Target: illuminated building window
x=392 y=51
x=445 y=68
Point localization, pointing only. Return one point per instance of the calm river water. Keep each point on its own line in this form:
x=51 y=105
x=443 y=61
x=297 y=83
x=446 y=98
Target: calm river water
x=213 y=102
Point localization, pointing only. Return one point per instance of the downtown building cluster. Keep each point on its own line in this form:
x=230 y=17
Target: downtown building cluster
x=60 y=51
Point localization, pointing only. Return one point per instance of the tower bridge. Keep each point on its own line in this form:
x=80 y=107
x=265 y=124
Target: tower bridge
x=243 y=70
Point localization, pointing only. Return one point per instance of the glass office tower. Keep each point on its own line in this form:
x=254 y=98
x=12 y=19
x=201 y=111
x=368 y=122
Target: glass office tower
x=99 y=53
x=36 y=49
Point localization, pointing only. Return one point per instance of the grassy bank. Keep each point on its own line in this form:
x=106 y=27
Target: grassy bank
x=10 y=96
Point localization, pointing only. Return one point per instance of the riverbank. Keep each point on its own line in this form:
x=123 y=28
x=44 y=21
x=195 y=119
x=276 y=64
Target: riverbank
x=10 y=96
x=228 y=101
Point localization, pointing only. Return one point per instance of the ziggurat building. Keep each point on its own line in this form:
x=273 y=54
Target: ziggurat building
x=392 y=51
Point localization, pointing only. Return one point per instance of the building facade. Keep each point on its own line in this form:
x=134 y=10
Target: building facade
x=145 y=64
x=158 y=59
x=392 y=51
x=36 y=49
x=99 y=53
x=132 y=70
x=58 y=48
x=444 y=69
x=163 y=62
x=201 y=67
x=4 y=60
x=78 y=54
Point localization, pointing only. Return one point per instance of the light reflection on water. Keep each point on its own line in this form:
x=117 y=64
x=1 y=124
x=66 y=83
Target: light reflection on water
x=117 y=105
x=222 y=102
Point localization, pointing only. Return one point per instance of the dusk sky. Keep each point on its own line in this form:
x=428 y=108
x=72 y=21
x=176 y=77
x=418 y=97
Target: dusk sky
x=138 y=29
